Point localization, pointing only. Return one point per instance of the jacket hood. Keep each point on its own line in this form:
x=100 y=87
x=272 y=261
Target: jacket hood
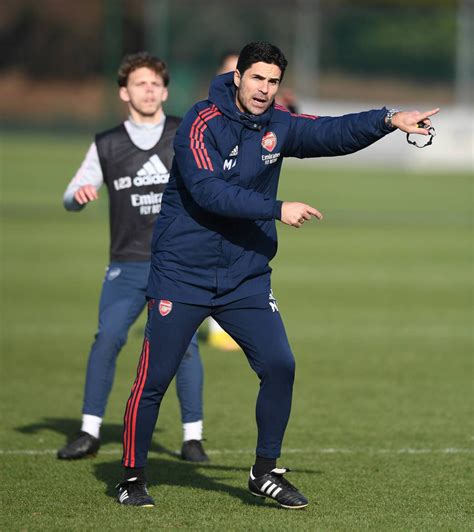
x=222 y=94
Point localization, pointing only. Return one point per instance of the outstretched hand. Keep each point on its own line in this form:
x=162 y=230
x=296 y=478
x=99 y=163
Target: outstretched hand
x=408 y=121
x=296 y=214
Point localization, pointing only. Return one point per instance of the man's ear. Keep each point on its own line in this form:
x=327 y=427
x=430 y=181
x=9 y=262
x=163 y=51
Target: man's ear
x=165 y=95
x=237 y=78
x=123 y=93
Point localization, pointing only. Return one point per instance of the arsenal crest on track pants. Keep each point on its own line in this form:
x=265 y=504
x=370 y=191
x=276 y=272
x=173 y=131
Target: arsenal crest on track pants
x=255 y=324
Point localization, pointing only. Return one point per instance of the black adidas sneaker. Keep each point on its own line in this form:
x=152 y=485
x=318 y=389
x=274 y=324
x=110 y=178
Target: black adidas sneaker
x=193 y=451
x=133 y=492
x=82 y=445
x=274 y=486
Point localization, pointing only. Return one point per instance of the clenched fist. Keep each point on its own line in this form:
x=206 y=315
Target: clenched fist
x=85 y=194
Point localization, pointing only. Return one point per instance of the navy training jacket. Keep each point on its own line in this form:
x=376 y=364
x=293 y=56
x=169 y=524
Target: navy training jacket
x=216 y=233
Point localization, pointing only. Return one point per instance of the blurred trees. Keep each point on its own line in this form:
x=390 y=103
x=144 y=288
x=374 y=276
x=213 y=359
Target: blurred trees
x=58 y=38
x=415 y=42
x=334 y=47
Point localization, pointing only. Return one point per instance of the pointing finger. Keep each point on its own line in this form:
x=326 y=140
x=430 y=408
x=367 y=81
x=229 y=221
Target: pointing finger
x=429 y=113
x=314 y=212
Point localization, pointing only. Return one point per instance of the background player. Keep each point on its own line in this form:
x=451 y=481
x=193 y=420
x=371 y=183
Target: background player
x=133 y=160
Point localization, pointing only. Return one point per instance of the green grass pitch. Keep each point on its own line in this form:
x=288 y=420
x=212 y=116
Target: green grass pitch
x=377 y=301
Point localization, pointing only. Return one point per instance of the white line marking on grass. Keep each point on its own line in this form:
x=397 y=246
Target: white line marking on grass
x=330 y=450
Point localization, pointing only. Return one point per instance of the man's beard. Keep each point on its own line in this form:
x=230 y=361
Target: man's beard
x=247 y=110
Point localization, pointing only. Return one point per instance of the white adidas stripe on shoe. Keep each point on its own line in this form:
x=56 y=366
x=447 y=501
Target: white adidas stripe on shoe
x=273 y=485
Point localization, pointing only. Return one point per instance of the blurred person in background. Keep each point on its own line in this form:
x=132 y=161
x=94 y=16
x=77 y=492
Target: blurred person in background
x=213 y=243
x=228 y=62
x=133 y=161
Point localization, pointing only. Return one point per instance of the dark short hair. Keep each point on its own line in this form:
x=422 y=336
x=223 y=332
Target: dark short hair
x=132 y=62
x=254 y=52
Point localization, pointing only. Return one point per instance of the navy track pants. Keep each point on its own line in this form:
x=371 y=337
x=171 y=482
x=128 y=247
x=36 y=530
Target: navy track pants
x=255 y=324
x=121 y=302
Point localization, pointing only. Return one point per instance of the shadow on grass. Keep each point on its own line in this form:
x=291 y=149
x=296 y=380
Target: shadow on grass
x=169 y=470
x=109 y=433
x=166 y=472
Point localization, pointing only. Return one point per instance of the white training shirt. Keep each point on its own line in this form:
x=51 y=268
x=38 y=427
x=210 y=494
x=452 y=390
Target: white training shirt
x=144 y=136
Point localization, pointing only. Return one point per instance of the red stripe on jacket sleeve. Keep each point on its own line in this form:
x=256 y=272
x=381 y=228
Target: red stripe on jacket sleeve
x=192 y=143
x=196 y=137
